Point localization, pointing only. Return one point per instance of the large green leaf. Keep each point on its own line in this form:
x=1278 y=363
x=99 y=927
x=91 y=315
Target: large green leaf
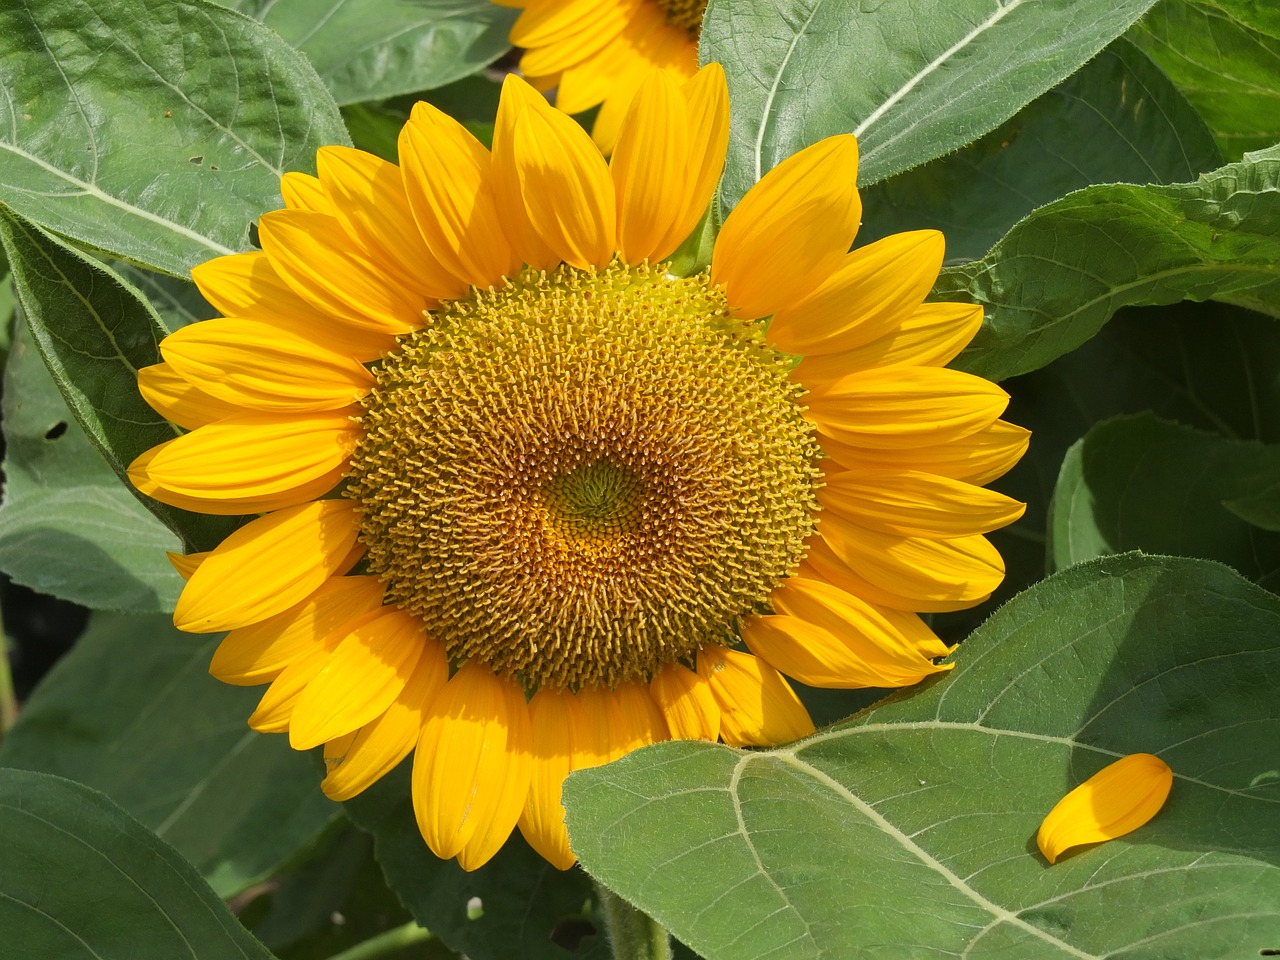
x=1220 y=56
x=529 y=907
x=94 y=331
x=909 y=831
x=80 y=878
x=373 y=49
x=1117 y=120
x=154 y=130
x=68 y=526
x=914 y=79
x=133 y=712
x=1141 y=483
x=1060 y=274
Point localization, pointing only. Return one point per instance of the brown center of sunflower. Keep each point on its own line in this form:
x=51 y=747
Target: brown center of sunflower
x=585 y=474
x=684 y=14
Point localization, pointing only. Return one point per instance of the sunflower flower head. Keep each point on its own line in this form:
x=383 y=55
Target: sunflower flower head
x=599 y=52
x=526 y=500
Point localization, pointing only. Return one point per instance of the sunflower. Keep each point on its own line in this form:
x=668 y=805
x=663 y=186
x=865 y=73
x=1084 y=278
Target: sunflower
x=527 y=500
x=598 y=52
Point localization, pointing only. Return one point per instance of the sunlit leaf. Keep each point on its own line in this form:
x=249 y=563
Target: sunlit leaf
x=910 y=831
x=1053 y=281
x=914 y=79
x=1118 y=120
x=1221 y=56
x=373 y=49
x=154 y=132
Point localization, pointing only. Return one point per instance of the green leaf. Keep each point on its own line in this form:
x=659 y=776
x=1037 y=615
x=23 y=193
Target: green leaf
x=133 y=712
x=1221 y=57
x=914 y=79
x=94 y=332
x=80 y=878
x=1117 y=120
x=1208 y=365
x=68 y=526
x=1060 y=274
x=528 y=905
x=1141 y=483
x=1261 y=15
x=909 y=831
x=155 y=134
x=374 y=49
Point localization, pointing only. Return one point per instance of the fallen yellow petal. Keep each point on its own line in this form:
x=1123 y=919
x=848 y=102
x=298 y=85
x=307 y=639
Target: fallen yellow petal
x=1116 y=800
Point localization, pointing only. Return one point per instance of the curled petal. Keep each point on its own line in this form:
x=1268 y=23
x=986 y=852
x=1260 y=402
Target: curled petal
x=1116 y=800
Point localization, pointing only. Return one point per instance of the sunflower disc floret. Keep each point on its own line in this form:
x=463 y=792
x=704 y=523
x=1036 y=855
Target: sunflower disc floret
x=584 y=475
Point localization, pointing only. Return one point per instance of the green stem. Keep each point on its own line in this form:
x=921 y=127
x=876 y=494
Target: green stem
x=385 y=943
x=8 y=701
x=633 y=934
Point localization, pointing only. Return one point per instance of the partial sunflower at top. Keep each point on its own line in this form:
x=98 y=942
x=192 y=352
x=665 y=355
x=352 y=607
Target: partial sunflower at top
x=598 y=52
x=528 y=500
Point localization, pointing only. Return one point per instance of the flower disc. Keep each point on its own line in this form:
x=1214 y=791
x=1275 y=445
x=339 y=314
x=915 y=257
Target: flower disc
x=585 y=474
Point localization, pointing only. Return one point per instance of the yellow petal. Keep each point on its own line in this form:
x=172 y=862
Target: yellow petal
x=259 y=652
x=553 y=716
x=508 y=189
x=916 y=504
x=301 y=191
x=875 y=288
x=356 y=760
x=186 y=564
x=932 y=336
x=634 y=719
x=956 y=569
x=371 y=204
x=707 y=96
x=978 y=458
x=649 y=169
x=821 y=563
x=558 y=175
x=757 y=706
x=545 y=24
x=473 y=764
x=181 y=402
x=687 y=702
x=246 y=285
x=904 y=406
x=446 y=174
x=791 y=230
x=826 y=637
x=267 y=566
x=224 y=505
x=257 y=365
x=276 y=706
x=362 y=678
x=1116 y=800
x=316 y=257
x=256 y=455
x=574 y=731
